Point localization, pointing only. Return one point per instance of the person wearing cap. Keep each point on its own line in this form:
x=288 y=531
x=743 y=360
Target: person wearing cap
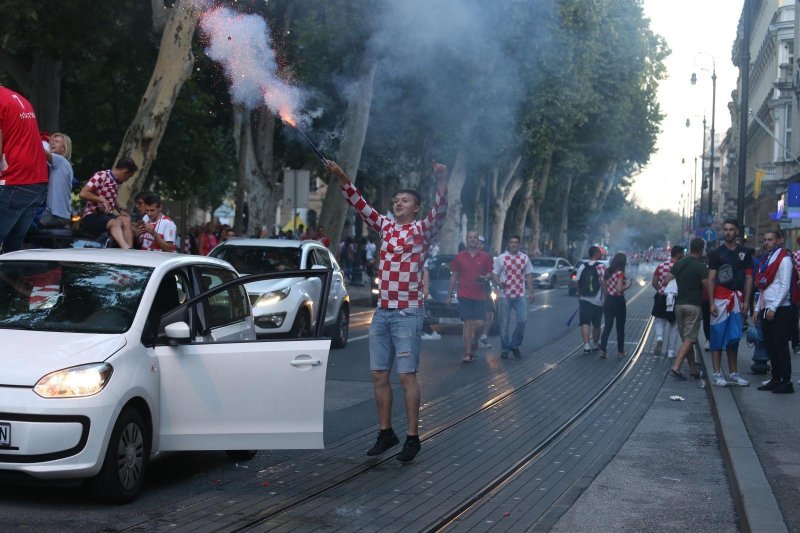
x=23 y=169
x=483 y=341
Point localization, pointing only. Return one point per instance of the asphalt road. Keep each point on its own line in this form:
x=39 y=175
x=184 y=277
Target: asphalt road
x=174 y=478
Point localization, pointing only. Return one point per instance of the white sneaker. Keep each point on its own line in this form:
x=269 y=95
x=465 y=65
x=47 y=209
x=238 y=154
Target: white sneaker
x=659 y=344
x=587 y=348
x=595 y=346
x=483 y=342
x=719 y=380
x=431 y=336
x=736 y=379
x=671 y=354
x=707 y=346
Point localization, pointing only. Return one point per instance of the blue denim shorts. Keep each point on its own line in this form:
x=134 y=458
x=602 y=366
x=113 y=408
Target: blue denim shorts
x=395 y=339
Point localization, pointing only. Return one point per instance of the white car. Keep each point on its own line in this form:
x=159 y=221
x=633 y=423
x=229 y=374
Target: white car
x=286 y=307
x=111 y=356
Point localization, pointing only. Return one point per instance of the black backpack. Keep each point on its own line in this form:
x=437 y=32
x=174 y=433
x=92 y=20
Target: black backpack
x=589 y=282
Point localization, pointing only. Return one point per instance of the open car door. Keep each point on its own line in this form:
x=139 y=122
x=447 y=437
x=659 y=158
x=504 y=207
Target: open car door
x=219 y=392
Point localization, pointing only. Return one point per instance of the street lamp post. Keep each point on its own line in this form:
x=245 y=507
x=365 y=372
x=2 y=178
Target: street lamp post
x=713 y=116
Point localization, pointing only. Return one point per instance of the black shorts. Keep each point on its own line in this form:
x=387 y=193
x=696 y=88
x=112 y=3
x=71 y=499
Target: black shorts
x=96 y=223
x=590 y=314
x=471 y=309
x=660 y=308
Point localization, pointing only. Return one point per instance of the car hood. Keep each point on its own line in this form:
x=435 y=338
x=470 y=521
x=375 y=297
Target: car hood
x=269 y=285
x=28 y=355
x=540 y=270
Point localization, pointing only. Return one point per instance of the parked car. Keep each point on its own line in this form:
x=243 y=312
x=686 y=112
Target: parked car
x=550 y=271
x=112 y=356
x=437 y=310
x=286 y=307
x=573 y=275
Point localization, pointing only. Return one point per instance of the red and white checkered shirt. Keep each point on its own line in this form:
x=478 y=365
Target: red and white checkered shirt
x=403 y=249
x=512 y=269
x=661 y=275
x=611 y=283
x=103 y=184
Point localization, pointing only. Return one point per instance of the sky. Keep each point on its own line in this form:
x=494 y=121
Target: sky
x=700 y=34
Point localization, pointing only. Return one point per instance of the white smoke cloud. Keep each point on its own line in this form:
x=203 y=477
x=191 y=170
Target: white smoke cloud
x=240 y=43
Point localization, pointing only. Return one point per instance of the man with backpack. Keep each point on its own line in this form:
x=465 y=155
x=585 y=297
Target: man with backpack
x=730 y=281
x=590 y=298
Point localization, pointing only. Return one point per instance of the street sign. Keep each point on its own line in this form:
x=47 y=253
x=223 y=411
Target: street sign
x=709 y=235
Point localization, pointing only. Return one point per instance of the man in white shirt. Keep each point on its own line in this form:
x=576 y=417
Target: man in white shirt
x=156 y=231
x=773 y=311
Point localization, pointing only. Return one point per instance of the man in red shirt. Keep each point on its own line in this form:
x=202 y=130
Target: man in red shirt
x=471 y=269
x=23 y=169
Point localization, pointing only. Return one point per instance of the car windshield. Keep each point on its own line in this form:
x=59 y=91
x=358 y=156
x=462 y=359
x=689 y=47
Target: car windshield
x=70 y=297
x=544 y=262
x=260 y=259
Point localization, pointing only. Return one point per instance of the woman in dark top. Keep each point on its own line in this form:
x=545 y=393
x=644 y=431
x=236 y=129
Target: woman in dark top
x=615 y=284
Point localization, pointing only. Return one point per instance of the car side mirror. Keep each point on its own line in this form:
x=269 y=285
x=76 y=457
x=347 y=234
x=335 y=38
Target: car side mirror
x=179 y=332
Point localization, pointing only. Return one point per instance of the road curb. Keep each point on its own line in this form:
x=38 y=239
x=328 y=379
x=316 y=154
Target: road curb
x=752 y=494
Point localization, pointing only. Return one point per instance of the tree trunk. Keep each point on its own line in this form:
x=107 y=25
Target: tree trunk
x=538 y=198
x=45 y=91
x=173 y=68
x=503 y=192
x=335 y=208
x=256 y=182
x=451 y=234
x=522 y=213
x=562 y=244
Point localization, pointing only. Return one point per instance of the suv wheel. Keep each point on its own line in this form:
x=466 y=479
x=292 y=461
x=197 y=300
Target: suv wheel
x=341 y=329
x=302 y=325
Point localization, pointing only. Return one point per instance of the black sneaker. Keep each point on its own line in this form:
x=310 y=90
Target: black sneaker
x=784 y=388
x=515 y=352
x=383 y=443
x=770 y=385
x=410 y=450
x=504 y=354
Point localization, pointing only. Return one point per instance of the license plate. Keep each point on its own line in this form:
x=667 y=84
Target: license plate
x=5 y=434
x=448 y=320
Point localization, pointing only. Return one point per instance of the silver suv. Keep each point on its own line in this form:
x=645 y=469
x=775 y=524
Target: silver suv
x=286 y=308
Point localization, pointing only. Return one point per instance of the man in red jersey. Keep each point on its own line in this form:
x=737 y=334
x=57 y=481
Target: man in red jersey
x=396 y=329
x=23 y=169
x=471 y=269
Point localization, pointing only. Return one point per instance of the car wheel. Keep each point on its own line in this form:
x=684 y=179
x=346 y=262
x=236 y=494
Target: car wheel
x=302 y=325
x=341 y=329
x=553 y=282
x=121 y=477
x=494 y=329
x=241 y=455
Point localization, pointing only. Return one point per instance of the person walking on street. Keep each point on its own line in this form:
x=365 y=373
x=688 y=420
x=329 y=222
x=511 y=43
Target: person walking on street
x=591 y=298
x=664 y=320
x=691 y=276
x=100 y=213
x=730 y=281
x=404 y=246
x=23 y=169
x=614 y=308
x=471 y=269
x=512 y=272
x=773 y=311
x=487 y=324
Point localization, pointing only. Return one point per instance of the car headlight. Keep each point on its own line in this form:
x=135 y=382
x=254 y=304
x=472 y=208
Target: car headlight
x=271 y=298
x=75 y=382
x=545 y=274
